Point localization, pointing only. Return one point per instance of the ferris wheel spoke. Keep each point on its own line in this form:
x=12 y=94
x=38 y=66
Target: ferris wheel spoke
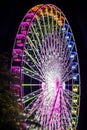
x=67 y=112
x=67 y=66
x=54 y=41
x=67 y=79
x=44 y=24
x=36 y=105
x=27 y=70
x=67 y=76
x=68 y=70
x=36 y=55
x=40 y=51
x=39 y=26
x=65 y=121
x=32 y=102
x=66 y=49
x=70 y=92
x=48 y=23
x=33 y=76
x=33 y=30
x=68 y=63
x=55 y=17
x=59 y=49
x=48 y=20
x=33 y=60
x=35 y=35
x=52 y=26
x=65 y=61
x=62 y=46
x=47 y=44
x=63 y=118
x=26 y=85
x=31 y=43
x=36 y=92
x=70 y=98
x=44 y=48
x=31 y=69
x=69 y=104
x=68 y=60
x=28 y=99
x=64 y=53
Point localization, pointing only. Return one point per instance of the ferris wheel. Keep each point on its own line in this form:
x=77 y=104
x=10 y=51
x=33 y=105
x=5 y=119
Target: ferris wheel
x=45 y=66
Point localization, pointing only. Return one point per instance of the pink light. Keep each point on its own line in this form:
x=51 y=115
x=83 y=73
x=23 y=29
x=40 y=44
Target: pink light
x=25 y=24
x=29 y=15
x=17 y=54
x=15 y=69
x=20 y=44
x=24 y=32
x=20 y=36
x=58 y=84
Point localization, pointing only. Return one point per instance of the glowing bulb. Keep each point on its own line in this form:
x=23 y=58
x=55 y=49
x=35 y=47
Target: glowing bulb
x=64 y=85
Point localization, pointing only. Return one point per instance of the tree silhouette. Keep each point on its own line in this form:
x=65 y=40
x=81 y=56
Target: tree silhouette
x=9 y=108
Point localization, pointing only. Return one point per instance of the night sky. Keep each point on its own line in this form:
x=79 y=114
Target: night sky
x=12 y=13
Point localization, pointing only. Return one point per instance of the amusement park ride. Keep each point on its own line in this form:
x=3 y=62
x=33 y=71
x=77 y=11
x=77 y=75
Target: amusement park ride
x=45 y=66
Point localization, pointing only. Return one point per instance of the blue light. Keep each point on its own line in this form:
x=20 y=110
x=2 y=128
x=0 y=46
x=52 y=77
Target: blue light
x=72 y=55
x=68 y=36
x=74 y=65
x=75 y=77
x=70 y=45
x=64 y=28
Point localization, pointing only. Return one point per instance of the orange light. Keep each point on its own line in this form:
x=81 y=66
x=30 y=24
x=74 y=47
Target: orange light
x=61 y=21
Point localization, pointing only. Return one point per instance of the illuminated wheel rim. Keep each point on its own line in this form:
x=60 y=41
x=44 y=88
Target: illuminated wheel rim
x=46 y=68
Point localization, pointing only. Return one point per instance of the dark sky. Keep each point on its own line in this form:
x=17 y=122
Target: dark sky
x=13 y=11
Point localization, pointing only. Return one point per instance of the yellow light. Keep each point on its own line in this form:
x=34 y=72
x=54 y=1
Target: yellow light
x=75 y=101
x=74 y=123
x=75 y=89
x=74 y=112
